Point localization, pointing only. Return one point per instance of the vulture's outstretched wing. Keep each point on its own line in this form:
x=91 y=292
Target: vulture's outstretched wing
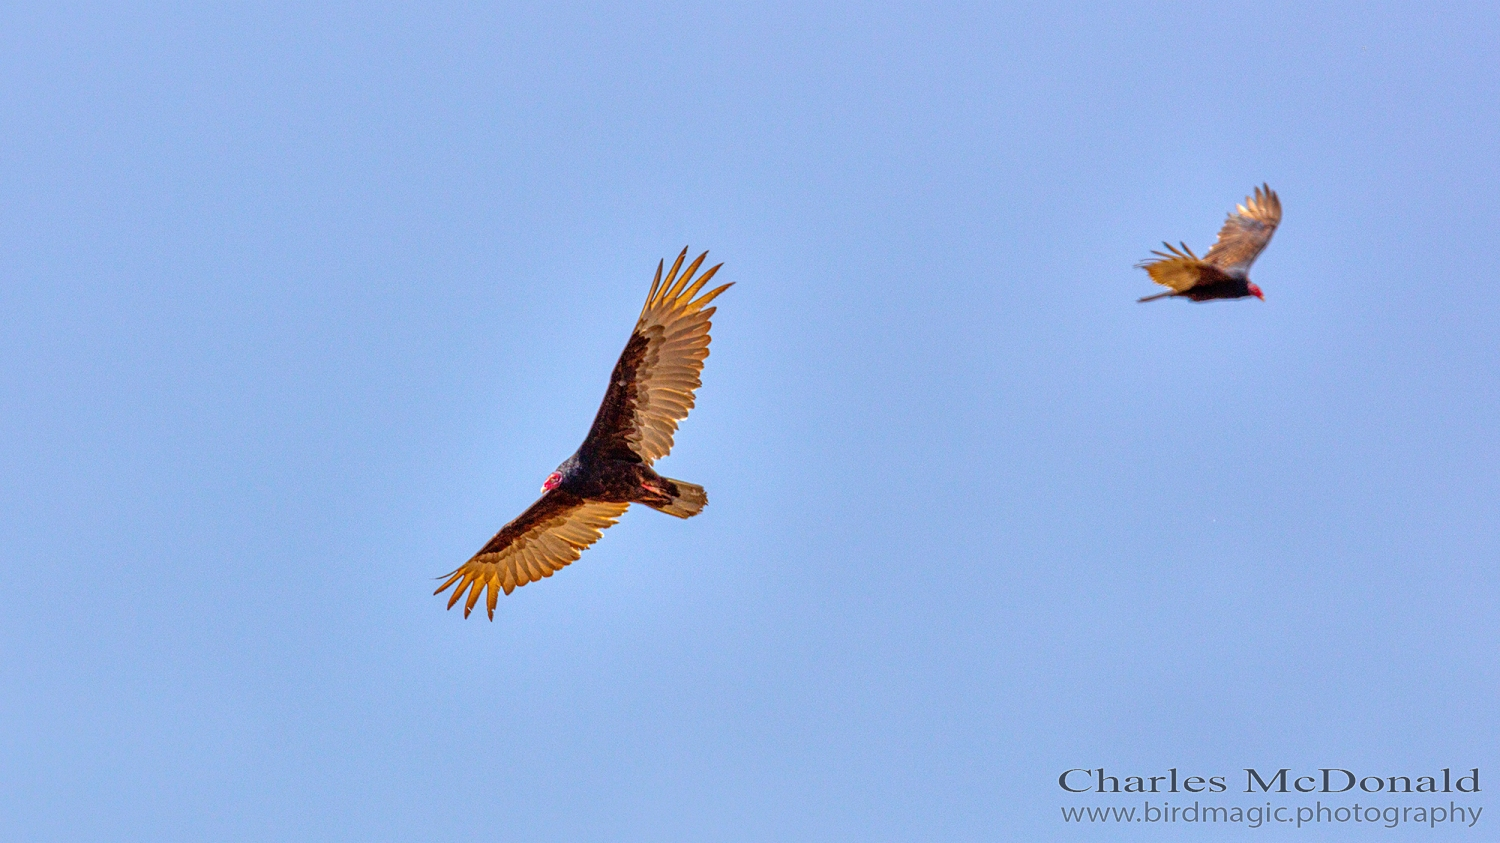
x=1180 y=269
x=549 y=535
x=1246 y=232
x=651 y=389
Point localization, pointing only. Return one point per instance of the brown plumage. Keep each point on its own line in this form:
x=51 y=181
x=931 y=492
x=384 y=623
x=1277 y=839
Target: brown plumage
x=1223 y=273
x=650 y=391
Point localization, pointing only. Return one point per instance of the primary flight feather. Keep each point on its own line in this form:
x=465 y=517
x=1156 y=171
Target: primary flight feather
x=1223 y=273
x=650 y=391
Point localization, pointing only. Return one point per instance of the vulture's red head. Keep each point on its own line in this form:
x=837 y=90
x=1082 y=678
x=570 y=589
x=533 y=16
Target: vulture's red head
x=552 y=480
x=1255 y=291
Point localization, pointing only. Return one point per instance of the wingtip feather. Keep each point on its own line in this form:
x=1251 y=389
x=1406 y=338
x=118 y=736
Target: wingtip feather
x=672 y=274
x=450 y=577
x=655 y=282
x=687 y=295
x=711 y=295
x=675 y=293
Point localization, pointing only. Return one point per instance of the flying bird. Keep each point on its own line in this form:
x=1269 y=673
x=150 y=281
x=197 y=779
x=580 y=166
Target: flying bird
x=650 y=391
x=1223 y=273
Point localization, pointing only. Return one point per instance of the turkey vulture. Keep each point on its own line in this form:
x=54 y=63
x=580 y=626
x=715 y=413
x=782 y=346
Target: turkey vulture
x=650 y=391
x=1223 y=273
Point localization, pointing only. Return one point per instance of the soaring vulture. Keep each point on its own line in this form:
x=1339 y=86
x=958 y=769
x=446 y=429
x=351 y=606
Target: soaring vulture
x=650 y=391
x=1223 y=273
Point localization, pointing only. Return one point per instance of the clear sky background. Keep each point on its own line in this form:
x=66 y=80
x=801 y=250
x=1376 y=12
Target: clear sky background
x=301 y=304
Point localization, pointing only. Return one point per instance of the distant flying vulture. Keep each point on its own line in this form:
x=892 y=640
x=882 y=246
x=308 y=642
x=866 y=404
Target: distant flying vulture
x=1223 y=273
x=650 y=391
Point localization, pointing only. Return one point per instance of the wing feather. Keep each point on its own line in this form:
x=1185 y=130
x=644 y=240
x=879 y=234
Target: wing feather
x=653 y=385
x=1178 y=268
x=1246 y=232
x=547 y=537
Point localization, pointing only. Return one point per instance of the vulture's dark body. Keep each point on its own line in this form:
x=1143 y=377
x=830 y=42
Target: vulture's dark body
x=605 y=478
x=1232 y=288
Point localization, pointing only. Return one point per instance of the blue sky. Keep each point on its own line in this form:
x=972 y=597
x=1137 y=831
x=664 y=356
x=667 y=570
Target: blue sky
x=303 y=302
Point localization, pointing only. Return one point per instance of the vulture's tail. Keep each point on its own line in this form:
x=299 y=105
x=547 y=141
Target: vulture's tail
x=687 y=501
x=1157 y=296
